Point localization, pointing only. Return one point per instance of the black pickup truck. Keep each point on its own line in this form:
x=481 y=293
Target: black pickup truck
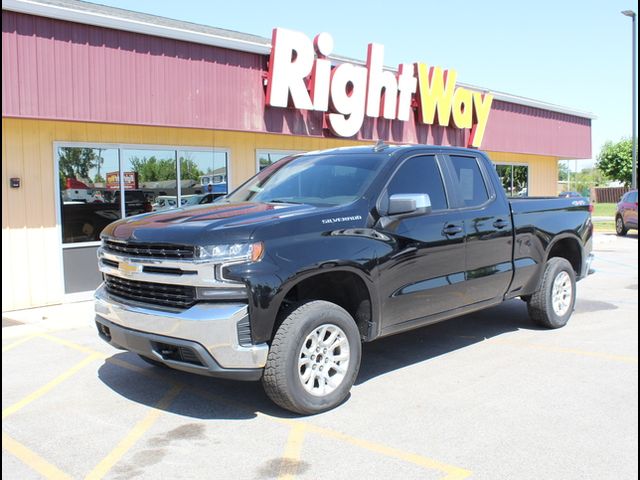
x=285 y=277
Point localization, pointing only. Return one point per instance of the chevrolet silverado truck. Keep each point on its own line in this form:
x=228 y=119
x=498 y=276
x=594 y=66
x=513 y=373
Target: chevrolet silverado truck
x=283 y=279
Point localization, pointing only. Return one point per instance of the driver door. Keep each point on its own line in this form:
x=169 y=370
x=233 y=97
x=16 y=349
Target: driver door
x=424 y=273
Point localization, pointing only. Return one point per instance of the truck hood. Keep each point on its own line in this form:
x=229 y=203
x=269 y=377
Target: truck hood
x=219 y=223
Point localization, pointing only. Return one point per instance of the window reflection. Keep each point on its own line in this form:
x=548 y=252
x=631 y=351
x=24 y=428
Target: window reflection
x=149 y=180
x=515 y=179
x=204 y=176
x=87 y=203
x=91 y=187
x=265 y=158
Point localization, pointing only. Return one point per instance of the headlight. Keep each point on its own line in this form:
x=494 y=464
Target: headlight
x=236 y=252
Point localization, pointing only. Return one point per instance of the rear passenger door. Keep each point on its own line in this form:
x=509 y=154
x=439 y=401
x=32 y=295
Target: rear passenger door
x=488 y=230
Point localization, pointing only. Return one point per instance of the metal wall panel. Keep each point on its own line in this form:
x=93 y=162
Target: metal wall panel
x=52 y=69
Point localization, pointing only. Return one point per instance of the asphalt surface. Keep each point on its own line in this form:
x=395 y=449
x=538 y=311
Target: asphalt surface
x=484 y=396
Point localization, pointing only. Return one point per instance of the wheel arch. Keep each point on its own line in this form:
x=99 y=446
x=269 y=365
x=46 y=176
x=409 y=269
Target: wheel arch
x=345 y=286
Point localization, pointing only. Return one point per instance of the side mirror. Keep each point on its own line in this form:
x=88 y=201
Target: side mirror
x=409 y=203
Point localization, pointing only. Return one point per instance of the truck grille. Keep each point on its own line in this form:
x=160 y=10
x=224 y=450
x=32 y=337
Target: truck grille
x=173 y=296
x=155 y=250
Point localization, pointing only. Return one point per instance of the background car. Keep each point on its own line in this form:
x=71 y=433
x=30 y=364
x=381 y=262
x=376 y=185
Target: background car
x=627 y=213
x=569 y=194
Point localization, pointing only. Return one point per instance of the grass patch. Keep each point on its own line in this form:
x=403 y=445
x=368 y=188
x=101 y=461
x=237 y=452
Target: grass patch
x=604 y=226
x=604 y=210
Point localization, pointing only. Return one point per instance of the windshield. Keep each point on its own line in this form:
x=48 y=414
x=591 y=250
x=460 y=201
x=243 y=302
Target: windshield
x=315 y=179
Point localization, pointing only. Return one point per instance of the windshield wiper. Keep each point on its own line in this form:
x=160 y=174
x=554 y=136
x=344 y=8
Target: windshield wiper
x=282 y=200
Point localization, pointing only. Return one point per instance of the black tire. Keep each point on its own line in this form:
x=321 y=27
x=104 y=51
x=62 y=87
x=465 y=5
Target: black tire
x=281 y=378
x=621 y=229
x=540 y=305
x=153 y=362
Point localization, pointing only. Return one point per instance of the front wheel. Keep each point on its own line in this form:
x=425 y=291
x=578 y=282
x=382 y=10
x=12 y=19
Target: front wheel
x=552 y=305
x=621 y=230
x=314 y=358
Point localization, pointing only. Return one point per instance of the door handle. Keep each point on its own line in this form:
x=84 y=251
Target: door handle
x=452 y=229
x=500 y=223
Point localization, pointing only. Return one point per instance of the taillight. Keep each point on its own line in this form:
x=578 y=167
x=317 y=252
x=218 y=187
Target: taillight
x=591 y=208
x=148 y=207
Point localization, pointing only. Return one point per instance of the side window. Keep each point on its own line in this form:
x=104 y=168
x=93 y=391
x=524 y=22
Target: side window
x=420 y=175
x=470 y=181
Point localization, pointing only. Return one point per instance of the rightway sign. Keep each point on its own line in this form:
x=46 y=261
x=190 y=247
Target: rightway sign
x=349 y=92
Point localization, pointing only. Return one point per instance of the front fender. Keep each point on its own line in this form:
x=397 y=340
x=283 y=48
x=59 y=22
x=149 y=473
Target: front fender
x=284 y=266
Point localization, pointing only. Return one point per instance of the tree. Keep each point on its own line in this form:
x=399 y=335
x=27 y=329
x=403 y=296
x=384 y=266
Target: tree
x=563 y=171
x=614 y=160
x=189 y=169
x=153 y=170
x=75 y=162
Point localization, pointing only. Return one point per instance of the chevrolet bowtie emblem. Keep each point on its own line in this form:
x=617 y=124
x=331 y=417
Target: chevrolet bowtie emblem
x=129 y=268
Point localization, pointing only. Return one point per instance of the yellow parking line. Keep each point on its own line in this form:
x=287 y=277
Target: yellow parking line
x=13 y=345
x=451 y=471
x=133 y=436
x=294 y=443
x=49 y=386
x=632 y=359
x=32 y=459
x=291 y=456
x=70 y=344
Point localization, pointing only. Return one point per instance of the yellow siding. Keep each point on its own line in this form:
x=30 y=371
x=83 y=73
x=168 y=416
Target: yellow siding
x=31 y=257
x=543 y=171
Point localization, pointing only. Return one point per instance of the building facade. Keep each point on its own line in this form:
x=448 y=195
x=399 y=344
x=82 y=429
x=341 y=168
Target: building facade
x=107 y=113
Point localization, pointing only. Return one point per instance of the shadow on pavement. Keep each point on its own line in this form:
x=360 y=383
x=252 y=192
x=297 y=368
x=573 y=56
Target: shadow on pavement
x=211 y=398
x=398 y=351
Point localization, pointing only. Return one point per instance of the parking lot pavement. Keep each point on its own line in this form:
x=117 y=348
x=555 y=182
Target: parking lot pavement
x=487 y=395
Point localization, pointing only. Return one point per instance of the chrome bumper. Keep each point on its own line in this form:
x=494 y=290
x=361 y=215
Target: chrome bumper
x=214 y=326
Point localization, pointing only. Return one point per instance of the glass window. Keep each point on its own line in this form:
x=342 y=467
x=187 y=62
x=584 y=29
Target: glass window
x=314 y=179
x=87 y=203
x=91 y=187
x=150 y=177
x=505 y=173
x=420 y=175
x=204 y=176
x=470 y=181
x=515 y=179
x=264 y=158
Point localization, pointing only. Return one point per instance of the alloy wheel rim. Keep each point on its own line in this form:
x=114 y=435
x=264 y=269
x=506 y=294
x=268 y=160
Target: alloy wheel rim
x=323 y=360
x=619 y=225
x=562 y=293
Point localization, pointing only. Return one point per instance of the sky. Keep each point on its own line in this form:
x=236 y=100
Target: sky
x=572 y=53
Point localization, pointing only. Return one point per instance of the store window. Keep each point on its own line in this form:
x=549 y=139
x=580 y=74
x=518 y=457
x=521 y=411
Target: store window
x=514 y=178
x=88 y=202
x=204 y=176
x=150 y=180
x=92 y=180
x=264 y=158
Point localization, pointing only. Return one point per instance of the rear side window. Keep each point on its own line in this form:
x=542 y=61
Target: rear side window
x=471 y=186
x=420 y=175
x=633 y=197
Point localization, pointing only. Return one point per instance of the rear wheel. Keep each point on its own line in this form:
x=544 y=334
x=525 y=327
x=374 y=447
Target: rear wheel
x=314 y=358
x=552 y=305
x=621 y=229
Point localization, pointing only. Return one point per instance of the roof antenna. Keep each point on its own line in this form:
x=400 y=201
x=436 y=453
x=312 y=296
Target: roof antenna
x=380 y=145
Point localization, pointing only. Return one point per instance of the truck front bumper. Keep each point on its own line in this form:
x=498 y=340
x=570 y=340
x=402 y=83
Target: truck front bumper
x=204 y=339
